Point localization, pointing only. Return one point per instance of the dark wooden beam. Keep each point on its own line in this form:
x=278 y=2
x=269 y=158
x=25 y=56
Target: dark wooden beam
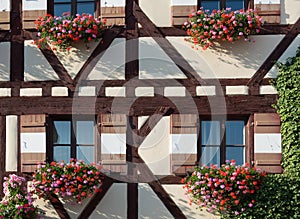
x=168 y=48
x=131 y=83
x=131 y=155
x=2 y=151
x=235 y=104
x=152 y=121
x=170 y=179
x=108 y=36
x=146 y=175
x=17 y=43
x=59 y=207
x=275 y=55
x=132 y=42
x=96 y=199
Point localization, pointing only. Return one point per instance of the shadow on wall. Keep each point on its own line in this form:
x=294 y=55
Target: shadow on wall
x=283 y=15
x=155 y=63
x=249 y=54
x=36 y=66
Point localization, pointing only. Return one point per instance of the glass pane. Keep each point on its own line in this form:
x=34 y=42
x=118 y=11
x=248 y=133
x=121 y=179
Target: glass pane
x=85 y=132
x=210 y=155
x=59 y=9
x=235 y=4
x=235 y=153
x=88 y=8
x=235 y=132
x=62 y=153
x=210 y=5
x=85 y=153
x=62 y=132
x=210 y=132
x=55 y=1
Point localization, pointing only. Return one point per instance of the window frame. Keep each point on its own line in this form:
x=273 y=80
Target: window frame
x=97 y=6
x=247 y=4
x=223 y=138
x=73 y=143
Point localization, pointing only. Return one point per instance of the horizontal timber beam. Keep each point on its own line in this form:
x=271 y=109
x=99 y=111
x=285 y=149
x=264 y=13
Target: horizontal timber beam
x=235 y=104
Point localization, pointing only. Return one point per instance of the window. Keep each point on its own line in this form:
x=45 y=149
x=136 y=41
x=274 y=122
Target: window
x=222 y=140
x=73 y=138
x=72 y=6
x=222 y=4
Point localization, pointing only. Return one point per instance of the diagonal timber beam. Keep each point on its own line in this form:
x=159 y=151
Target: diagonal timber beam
x=133 y=142
x=275 y=55
x=91 y=206
x=108 y=37
x=169 y=49
x=58 y=67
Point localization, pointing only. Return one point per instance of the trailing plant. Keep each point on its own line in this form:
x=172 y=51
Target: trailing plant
x=228 y=190
x=63 y=31
x=17 y=203
x=279 y=197
x=287 y=84
x=205 y=28
x=76 y=179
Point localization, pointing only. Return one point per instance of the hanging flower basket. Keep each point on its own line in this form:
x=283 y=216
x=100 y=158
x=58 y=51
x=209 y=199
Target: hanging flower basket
x=63 y=31
x=75 y=179
x=228 y=190
x=205 y=28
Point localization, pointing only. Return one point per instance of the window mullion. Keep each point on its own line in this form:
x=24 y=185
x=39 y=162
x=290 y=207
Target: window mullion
x=74 y=7
x=222 y=4
x=223 y=141
x=73 y=139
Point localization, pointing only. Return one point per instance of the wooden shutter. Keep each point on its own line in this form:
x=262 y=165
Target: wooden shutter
x=183 y=125
x=33 y=141
x=267 y=143
x=113 y=124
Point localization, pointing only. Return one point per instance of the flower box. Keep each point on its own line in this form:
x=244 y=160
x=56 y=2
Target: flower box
x=75 y=179
x=66 y=30
x=205 y=28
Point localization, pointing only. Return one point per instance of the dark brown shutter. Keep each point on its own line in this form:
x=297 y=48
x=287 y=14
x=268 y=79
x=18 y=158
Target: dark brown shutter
x=31 y=124
x=112 y=124
x=264 y=124
x=183 y=124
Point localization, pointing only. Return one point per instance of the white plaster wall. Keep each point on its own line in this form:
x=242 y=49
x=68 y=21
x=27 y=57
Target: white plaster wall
x=190 y=211
x=290 y=11
x=158 y=11
x=114 y=203
x=36 y=68
x=229 y=60
x=11 y=143
x=154 y=62
x=155 y=148
x=150 y=206
x=289 y=52
x=74 y=59
x=112 y=64
x=34 y=4
x=4 y=5
x=4 y=61
x=33 y=142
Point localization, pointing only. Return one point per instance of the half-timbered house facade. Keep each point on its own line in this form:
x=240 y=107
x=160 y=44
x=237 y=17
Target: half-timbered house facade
x=140 y=101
